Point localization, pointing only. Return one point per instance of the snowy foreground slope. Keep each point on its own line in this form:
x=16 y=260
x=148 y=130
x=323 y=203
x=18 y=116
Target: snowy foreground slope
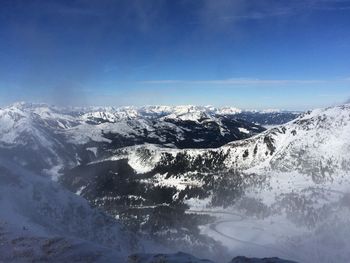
x=39 y=221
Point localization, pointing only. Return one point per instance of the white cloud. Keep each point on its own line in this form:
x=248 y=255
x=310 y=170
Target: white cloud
x=238 y=81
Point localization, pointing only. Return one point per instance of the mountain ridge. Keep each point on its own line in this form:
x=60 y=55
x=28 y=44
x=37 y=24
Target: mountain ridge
x=66 y=137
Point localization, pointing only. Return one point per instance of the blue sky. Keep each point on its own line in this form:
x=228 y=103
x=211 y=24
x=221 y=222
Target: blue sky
x=290 y=54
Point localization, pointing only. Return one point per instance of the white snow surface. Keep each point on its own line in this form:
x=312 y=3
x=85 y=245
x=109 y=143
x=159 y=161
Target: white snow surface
x=243 y=130
x=277 y=234
x=310 y=144
x=316 y=143
x=38 y=216
x=22 y=119
x=307 y=188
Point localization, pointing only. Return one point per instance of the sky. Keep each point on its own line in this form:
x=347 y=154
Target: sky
x=252 y=54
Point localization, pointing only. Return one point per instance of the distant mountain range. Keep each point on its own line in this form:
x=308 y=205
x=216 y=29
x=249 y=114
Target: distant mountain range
x=65 y=137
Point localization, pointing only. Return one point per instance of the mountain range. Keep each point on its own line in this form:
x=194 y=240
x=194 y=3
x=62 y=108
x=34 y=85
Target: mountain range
x=65 y=137
x=214 y=182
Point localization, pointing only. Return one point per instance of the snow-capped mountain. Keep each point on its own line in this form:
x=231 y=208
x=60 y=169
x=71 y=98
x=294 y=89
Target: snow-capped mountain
x=33 y=135
x=314 y=143
x=262 y=176
x=67 y=137
x=194 y=113
x=23 y=122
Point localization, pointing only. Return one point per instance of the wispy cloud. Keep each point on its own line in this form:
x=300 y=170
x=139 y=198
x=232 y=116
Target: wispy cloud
x=258 y=15
x=223 y=12
x=331 y=5
x=77 y=11
x=238 y=81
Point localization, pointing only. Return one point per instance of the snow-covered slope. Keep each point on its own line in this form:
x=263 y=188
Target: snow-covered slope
x=40 y=221
x=33 y=136
x=47 y=138
x=22 y=123
x=284 y=192
x=285 y=189
x=315 y=143
x=309 y=152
